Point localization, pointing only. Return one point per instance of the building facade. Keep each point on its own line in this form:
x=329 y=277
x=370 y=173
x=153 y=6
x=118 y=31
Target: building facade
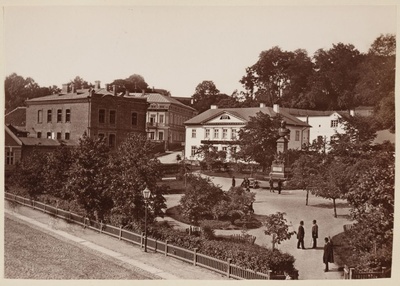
x=165 y=117
x=220 y=128
x=96 y=111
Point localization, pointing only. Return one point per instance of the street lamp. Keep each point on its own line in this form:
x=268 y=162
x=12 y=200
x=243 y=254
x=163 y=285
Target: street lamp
x=146 y=196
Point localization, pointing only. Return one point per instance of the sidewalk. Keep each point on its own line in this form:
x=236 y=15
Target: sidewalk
x=156 y=264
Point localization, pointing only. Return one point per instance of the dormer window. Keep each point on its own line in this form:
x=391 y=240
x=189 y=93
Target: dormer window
x=225 y=116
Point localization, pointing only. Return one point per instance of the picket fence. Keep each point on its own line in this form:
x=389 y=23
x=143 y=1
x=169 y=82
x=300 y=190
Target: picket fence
x=189 y=256
x=351 y=273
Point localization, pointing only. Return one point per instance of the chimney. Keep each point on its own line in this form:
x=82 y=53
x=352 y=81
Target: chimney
x=73 y=90
x=262 y=105
x=114 y=90
x=97 y=84
x=64 y=88
x=126 y=92
x=352 y=113
x=213 y=107
x=106 y=86
x=276 y=108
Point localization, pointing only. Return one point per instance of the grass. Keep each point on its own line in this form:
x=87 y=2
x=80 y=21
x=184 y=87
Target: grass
x=32 y=254
x=255 y=221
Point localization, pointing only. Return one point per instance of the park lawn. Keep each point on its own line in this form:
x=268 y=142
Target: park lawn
x=32 y=254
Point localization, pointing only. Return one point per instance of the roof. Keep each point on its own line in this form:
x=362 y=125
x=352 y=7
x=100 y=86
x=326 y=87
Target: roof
x=245 y=114
x=159 y=98
x=308 y=112
x=79 y=94
x=16 y=117
x=32 y=141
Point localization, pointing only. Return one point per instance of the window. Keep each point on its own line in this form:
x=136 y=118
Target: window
x=67 y=135
x=152 y=119
x=68 y=115
x=288 y=137
x=59 y=115
x=58 y=135
x=334 y=123
x=225 y=149
x=113 y=114
x=102 y=116
x=49 y=115
x=10 y=158
x=224 y=133
x=233 y=150
x=193 y=151
x=111 y=140
x=234 y=134
x=160 y=136
x=207 y=133
x=40 y=116
x=161 y=119
x=151 y=135
x=134 y=119
x=39 y=135
x=216 y=133
x=225 y=116
x=193 y=133
x=48 y=135
x=297 y=135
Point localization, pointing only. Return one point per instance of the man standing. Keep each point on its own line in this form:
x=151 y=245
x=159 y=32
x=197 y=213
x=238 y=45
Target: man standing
x=233 y=182
x=279 y=186
x=271 y=185
x=328 y=254
x=300 y=235
x=314 y=233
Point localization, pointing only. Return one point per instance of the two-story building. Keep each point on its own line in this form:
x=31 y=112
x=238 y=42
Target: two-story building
x=220 y=127
x=96 y=111
x=165 y=117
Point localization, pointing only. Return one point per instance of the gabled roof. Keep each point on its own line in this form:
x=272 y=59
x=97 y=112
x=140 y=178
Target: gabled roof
x=159 y=98
x=245 y=114
x=16 y=117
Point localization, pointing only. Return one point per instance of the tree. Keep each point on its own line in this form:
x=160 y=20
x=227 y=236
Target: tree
x=29 y=173
x=80 y=83
x=278 y=75
x=212 y=158
x=55 y=172
x=275 y=225
x=133 y=167
x=257 y=140
x=205 y=95
x=18 y=89
x=384 y=45
x=304 y=169
x=236 y=203
x=386 y=113
x=89 y=177
x=133 y=83
x=199 y=199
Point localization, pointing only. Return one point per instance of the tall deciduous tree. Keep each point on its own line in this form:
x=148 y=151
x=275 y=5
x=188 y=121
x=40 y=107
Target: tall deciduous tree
x=134 y=168
x=133 y=83
x=80 y=83
x=257 y=140
x=89 y=179
x=205 y=95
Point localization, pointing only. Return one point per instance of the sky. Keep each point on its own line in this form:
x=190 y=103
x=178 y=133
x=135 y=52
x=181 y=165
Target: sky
x=175 y=47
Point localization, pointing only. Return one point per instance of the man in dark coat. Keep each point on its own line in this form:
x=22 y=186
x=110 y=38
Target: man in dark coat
x=233 y=181
x=271 y=185
x=279 y=186
x=328 y=254
x=300 y=235
x=314 y=233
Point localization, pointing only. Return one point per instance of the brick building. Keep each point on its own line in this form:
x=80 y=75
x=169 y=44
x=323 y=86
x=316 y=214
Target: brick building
x=96 y=111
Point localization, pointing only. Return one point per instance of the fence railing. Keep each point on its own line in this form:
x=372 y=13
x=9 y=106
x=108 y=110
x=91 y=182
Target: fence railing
x=189 y=256
x=351 y=273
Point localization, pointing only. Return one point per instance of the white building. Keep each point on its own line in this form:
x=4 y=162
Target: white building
x=220 y=127
x=324 y=124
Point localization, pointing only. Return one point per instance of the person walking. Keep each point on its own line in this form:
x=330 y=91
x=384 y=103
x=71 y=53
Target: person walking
x=328 y=253
x=314 y=233
x=233 y=181
x=300 y=236
x=271 y=185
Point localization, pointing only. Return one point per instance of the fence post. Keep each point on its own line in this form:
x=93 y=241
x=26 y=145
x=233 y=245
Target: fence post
x=194 y=256
x=228 y=271
x=101 y=225
x=269 y=274
x=166 y=247
x=351 y=273
x=120 y=232
x=155 y=248
x=141 y=239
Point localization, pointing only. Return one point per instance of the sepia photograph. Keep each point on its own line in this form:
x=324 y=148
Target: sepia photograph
x=157 y=141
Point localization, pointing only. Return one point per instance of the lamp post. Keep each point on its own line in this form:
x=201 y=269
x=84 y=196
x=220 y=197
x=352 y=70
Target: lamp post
x=146 y=196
